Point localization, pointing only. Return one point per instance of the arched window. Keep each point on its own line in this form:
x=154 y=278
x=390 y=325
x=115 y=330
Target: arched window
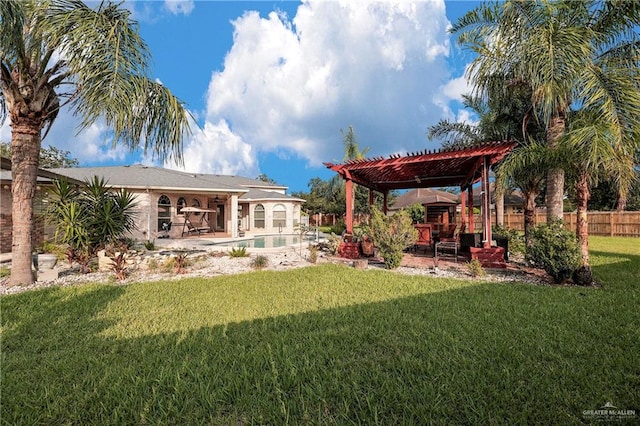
x=164 y=211
x=279 y=216
x=195 y=202
x=181 y=203
x=258 y=216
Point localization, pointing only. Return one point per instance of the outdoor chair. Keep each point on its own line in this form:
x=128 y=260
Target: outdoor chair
x=447 y=242
x=424 y=240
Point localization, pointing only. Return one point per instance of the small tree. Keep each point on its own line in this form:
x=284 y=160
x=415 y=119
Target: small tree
x=391 y=235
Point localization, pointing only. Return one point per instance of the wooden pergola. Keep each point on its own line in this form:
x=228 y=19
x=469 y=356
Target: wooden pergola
x=427 y=169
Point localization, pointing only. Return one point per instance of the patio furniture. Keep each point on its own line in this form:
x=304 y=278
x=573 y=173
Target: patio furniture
x=188 y=227
x=446 y=240
x=166 y=227
x=425 y=239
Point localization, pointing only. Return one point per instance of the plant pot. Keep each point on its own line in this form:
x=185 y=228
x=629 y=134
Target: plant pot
x=46 y=261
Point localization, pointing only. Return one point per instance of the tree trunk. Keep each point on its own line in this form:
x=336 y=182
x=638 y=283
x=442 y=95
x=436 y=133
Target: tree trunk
x=500 y=208
x=529 y=213
x=25 y=147
x=621 y=204
x=555 y=176
x=582 y=225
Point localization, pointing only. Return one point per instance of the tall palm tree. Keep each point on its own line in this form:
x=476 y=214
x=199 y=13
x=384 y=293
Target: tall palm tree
x=572 y=53
x=63 y=53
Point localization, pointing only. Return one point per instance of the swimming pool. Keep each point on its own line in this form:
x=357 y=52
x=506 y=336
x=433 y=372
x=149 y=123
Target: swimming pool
x=264 y=241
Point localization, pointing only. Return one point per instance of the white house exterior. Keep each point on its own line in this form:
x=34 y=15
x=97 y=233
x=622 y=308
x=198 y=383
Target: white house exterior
x=235 y=205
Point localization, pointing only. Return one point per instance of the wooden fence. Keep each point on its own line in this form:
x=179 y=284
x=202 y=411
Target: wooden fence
x=618 y=224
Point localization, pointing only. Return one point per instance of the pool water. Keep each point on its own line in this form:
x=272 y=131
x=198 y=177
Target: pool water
x=264 y=241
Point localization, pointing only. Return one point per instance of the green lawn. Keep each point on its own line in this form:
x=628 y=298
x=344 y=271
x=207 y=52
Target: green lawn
x=326 y=344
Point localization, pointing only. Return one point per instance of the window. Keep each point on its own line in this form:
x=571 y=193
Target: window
x=195 y=203
x=279 y=216
x=258 y=216
x=164 y=211
x=181 y=203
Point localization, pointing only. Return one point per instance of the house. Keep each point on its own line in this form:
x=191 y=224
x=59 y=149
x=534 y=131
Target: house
x=224 y=205
x=197 y=203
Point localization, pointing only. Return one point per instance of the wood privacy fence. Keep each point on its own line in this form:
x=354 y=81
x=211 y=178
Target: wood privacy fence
x=613 y=224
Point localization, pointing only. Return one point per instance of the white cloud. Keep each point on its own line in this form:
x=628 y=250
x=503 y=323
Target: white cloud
x=289 y=86
x=177 y=7
x=215 y=149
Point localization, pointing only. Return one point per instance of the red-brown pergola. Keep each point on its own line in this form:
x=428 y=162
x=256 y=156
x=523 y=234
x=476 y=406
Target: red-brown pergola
x=440 y=168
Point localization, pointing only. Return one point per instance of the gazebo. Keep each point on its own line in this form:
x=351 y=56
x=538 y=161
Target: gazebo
x=428 y=169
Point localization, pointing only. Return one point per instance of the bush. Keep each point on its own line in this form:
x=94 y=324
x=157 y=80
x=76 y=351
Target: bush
x=150 y=245
x=515 y=238
x=338 y=228
x=391 y=235
x=260 y=262
x=475 y=268
x=555 y=249
x=238 y=252
x=333 y=243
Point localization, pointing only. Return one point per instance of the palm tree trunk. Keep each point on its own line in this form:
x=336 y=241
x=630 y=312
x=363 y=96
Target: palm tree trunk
x=529 y=213
x=25 y=146
x=582 y=225
x=500 y=209
x=555 y=176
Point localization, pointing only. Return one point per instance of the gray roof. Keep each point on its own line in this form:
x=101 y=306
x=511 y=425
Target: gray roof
x=428 y=196
x=256 y=194
x=143 y=177
x=240 y=181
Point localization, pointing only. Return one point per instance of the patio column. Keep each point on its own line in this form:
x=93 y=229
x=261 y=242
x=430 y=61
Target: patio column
x=486 y=204
x=234 y=216
x=470 y=212
x=349 y=212
x=370 y=197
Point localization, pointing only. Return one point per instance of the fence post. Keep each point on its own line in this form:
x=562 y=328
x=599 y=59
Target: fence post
x=611 y=224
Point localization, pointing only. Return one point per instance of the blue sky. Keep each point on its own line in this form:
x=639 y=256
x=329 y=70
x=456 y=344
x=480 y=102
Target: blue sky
x=272 y=83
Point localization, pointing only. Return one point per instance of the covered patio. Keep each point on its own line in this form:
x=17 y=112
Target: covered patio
x=460 y=168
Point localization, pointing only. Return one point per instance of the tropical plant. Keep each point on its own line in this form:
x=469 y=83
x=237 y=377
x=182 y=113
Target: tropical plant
x=89 y=218
x=581 y=55
x=238 y=252
x=392 y=235
x=62 y=53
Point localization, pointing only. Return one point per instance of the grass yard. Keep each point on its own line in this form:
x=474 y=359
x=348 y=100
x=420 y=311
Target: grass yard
x=326 y=345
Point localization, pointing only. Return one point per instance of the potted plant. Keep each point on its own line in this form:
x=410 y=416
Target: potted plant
x=45 y=257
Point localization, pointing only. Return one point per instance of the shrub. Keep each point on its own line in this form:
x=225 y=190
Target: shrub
x=260 y=262
x=516 y=239
x=238 y=252
x=554 y=248
x=333 y=243
x=119 y=265
x=150 y=245
x=475 y=268
x=392 y=234
x=338 y=228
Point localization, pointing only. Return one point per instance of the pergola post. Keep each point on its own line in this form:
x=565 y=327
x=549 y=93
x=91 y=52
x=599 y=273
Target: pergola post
x=470 y=212
x=385 y=195
x=463 y=208
x=349 y=212
x=370 y=197
x=486 y=204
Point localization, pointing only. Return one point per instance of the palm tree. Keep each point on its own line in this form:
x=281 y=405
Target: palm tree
x=572 y=53
x=596 y=152
x=63 y=53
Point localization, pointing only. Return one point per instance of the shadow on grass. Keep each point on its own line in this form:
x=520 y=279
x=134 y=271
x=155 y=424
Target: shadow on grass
x=498 y=353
